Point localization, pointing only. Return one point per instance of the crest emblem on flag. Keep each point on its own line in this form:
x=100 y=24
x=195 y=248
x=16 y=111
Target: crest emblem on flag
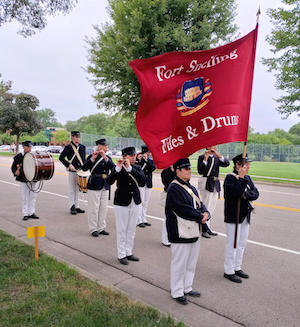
x=193 y=95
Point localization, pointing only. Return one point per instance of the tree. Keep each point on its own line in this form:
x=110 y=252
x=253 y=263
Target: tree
x=32 y=14
x=62 y=136
x=295 y=129
x=4 y=87
x=47 y=117
x=145 y=28
x=18 y=115
x=285 y=39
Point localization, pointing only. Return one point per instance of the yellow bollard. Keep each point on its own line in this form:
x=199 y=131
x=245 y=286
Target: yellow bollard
x=36 y=232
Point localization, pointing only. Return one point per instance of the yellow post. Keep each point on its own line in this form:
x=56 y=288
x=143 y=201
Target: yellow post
x=36 y=232
x=36 y=236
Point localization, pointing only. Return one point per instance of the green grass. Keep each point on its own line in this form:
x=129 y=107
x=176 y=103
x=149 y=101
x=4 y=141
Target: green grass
x=290 y=170
x=49 y=293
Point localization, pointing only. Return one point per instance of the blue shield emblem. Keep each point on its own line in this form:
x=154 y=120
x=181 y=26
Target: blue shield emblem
x=192 y=92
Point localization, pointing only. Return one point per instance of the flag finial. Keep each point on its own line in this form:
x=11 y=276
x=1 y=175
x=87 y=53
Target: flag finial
x=257 y=15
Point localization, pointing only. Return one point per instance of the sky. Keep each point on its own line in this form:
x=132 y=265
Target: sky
x=51 y=64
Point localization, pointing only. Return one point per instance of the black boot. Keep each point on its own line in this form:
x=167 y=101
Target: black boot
x=73 y=210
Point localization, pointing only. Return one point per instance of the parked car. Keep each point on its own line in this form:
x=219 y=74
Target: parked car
x=55 y=148
x=4 y=147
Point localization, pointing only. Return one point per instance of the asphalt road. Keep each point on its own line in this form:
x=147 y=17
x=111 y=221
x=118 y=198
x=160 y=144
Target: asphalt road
x=271 y=297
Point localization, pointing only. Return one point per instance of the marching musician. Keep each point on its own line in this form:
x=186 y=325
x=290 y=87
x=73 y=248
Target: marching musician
x=209 y=165
x=167 y=176
x=99 y=164
x=127 y=202
x=239 y=191
x=28 y=194
x=147 y=165
x=75 y=154
x=185 y=213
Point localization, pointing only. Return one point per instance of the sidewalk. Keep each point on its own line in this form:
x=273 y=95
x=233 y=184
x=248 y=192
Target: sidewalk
x=131 y=285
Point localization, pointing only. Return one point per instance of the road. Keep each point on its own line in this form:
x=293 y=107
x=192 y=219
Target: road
x=271 y=297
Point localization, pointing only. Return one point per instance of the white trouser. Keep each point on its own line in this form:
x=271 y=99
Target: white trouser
x=73 y=189
x=126 y=218
x=234 y=257
x=97 y=209
x=183 y=265
x=145 y=193
x=164 y=233
x=28 y=199
x=210 y=201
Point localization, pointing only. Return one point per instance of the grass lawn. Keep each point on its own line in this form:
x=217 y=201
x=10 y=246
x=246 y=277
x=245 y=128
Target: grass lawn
x=49 y=293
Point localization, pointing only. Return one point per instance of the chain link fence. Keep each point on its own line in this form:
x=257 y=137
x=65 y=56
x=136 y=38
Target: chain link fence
x=257 y=152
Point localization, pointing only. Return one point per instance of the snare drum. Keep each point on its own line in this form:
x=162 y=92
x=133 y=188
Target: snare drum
x=82 y=180
x=38 y=166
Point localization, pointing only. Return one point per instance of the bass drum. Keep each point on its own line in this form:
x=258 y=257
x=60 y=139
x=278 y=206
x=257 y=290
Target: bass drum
x=38 y=166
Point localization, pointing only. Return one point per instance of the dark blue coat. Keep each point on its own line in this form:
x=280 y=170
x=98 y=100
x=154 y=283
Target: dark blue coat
x=235 y=189
x=18 y=160
x=212 y=182
x=180 y=202
x=126 y=186
x=167 y=176
x=148 y=167
x=96 y=180
x=69 y=153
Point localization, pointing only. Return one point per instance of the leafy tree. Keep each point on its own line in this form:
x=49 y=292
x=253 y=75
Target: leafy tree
x=4 y=87
x=122 y=125
x=62 y=136
x=47 y=117
x=92 y=124
x=295 y=129
x=145 y=28
x=18 y=115
x=6 y=138
x=32 y=14
x=285 y=39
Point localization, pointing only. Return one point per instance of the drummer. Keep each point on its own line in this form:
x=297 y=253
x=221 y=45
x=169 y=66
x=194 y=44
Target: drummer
x=99 y=164
x=28 y=194
x=75 y=153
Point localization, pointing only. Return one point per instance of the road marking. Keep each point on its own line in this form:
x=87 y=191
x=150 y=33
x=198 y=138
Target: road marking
x=161 y=219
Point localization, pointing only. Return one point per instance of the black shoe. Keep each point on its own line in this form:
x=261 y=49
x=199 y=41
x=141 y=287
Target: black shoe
x=33 y=216
x=25 y=218
x=212 y=233
x=233 y=278
x=147 y=224
x=132 y=258
x=193 y=293
x=103 y=232
x=167 y=245
x=95 y=234
x=141 y=225
x=73 y=210
x=124 y=261
x=78 y=210
x=205 y=235
x=241 y=274
x=181 y=300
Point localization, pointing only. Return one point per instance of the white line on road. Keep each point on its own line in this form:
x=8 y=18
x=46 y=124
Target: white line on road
x=161 y=219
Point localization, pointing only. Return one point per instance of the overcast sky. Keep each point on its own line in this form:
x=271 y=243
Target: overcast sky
x=50 y=64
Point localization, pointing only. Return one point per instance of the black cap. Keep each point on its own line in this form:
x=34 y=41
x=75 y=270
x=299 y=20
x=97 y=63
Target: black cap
x=239 y=159
x=101 y=142
x=27 y=143
x=144 y=149
x=130 y=150
x=182 y=163
x=75 y=133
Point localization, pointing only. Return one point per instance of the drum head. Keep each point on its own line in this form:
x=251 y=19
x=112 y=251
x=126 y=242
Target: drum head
x=28 y=167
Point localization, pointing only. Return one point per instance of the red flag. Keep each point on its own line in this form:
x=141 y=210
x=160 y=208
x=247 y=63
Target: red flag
x=192 y=100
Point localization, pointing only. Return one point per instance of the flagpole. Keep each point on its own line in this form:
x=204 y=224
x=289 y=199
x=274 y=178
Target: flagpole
x=239 y=200
x=257 y=15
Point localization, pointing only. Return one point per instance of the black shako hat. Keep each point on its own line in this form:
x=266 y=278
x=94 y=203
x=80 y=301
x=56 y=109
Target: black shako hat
x=182 y=163
x=101 y=142
x=75 y=133
x=130 y=150
x=144 y=149
x=27 y=143
x=239 y=159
